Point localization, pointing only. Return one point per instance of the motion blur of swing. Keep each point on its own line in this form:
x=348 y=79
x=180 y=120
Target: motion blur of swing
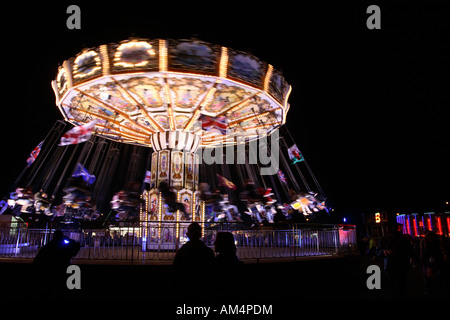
x=292 y=195
x=78 y=178
x=71 y=176
x=79 y=187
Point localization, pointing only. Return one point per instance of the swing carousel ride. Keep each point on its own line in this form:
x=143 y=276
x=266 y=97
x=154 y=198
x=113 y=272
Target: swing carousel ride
x=176 y=97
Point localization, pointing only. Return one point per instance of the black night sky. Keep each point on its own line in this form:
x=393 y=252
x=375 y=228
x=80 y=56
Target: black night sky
x=370 y=109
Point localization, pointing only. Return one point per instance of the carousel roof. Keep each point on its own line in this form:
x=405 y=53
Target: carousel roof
x=139 y=87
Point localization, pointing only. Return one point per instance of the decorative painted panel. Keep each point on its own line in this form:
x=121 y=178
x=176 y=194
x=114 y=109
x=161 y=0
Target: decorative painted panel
x=177 y=169
x=164 y=166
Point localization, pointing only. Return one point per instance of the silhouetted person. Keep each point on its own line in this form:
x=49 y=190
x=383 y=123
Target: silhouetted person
x=397 y=251
x=52 y=261
x=227 y=265
x=432 y=258
x=191 y=265
x=247 y=197
x=170 y=198
x=225 y=249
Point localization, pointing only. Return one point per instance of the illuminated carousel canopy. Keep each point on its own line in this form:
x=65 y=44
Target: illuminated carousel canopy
x=140 y=87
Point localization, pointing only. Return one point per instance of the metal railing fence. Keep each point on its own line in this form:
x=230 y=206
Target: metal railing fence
x=159 y=240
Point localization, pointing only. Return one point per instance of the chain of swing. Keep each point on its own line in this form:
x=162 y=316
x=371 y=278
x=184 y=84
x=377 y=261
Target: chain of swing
x=299 y=176
x=100 y=156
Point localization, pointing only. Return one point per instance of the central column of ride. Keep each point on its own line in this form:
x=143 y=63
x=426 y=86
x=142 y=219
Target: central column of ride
x=174 y=164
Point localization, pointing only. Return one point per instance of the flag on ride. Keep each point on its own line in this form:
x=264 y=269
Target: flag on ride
x=294 y=154
x=225 y=183
x=34 y=153
x=82 y=172
x=214 y=124
x=281 y=176
x=147 y=178
x=78 y=134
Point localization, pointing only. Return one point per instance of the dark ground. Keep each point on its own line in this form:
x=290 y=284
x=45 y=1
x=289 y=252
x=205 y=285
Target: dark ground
x=341 y=278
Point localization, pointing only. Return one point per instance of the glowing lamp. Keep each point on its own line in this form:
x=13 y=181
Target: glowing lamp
x=377 y=217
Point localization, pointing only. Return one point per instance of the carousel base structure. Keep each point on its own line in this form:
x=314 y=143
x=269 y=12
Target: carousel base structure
x=164 y=226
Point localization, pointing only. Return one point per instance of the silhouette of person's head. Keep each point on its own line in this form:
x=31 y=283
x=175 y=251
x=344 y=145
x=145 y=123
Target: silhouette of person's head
x=58 y=235
x=194 y=231
x=431 y=236
x=224 y=242
x=164 y=186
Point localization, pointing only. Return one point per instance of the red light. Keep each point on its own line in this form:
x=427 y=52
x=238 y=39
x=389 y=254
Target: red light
x=439 y=225
x=415 y=227
x=377 y=217
x=429 y=223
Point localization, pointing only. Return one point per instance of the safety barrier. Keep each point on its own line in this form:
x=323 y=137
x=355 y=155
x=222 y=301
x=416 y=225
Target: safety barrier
x=159 y=240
